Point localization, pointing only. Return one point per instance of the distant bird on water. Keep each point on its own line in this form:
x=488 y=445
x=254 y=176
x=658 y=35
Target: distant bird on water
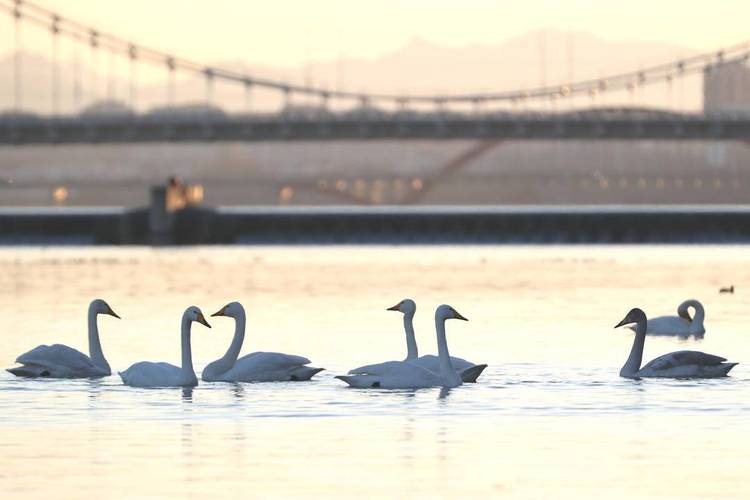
x=727 y=289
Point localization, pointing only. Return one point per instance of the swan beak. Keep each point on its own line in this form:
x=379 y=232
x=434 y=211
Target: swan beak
x=395 y=308
x=220 y=312
x=457 y=315
x=112 y=313
x=623 y=322
x=202 y=320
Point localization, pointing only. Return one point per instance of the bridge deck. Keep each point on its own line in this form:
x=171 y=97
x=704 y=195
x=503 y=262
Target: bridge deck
x=575 y=126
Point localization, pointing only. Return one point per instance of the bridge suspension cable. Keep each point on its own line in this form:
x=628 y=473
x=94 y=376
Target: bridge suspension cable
x=31 y=12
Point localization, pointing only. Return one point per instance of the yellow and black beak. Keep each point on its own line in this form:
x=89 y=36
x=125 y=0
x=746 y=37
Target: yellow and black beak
x=220 y=312
x=397 y=307
x=202 y=320
x=112 y=313
x=457 y=315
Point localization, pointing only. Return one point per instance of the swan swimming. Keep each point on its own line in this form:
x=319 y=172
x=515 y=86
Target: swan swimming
x=149 y=374
x=467 y=370
x=679 y=364
x=257 y=366
x=61 y=361
x=406 y=375
x=682 y=325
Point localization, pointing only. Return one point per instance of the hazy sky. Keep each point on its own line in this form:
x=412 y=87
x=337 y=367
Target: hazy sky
x=288 y=32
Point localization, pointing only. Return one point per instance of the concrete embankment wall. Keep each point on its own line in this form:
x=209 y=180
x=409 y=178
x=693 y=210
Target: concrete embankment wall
x=249 y=225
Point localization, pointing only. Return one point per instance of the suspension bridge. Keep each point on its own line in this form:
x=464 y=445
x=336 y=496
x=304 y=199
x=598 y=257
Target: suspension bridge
x=339 y=114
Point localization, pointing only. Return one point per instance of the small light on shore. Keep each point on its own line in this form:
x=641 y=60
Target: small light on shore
x=195 y=194
x=285 y=195
x=60 y=195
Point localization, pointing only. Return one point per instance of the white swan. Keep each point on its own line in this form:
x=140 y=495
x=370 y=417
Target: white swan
x=683 y=324
x=467 y=370
x=61 y=361
x=149 y=374
x=406 y=375
x=679 y=364
x=257 y=366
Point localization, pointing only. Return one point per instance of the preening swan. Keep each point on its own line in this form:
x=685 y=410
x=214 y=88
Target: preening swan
x=468 y=371
x=257 y=366
x=683 y=324
x=61 y=361
x=148 y=374
x=679 y=364
x=407 y=375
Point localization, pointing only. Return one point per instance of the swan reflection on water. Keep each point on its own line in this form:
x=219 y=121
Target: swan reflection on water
x=187 y=394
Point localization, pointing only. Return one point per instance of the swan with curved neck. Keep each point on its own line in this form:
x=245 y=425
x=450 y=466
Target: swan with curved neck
x=408 y=375
x=150 y=374
x=683 y=324
x=679 y=364
x=466 y=369
x=61 y=361
x=257 y=366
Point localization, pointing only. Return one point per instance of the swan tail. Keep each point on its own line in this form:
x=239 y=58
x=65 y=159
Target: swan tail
x=472 y=373
x=726 y=367
x=304 y=373
x=30 y=371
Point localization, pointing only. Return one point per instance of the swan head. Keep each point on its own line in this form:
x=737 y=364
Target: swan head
x=683 y=310
x=193 y=313
x=233 y=310
x=101 y=307
x=446 y=312
x=634 y=316
x=406 y=306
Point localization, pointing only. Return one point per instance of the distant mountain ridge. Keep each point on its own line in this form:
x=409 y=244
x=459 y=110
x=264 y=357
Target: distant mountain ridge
x=420 y=67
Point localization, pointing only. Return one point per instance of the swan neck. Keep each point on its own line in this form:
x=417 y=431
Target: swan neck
x=95 y=346
x=700 y=314
x=228 y=360
x=633 y=364
x=449 y=375
x=411 y=341
x=187 y=356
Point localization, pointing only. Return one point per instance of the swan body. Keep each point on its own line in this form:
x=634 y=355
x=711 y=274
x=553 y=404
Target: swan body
x=257 y=366
x=408 y=375
x=679 y=364
x=150 y=374
x=468 y=371
x=61 y=361
x=395 y=375
x=683 y=324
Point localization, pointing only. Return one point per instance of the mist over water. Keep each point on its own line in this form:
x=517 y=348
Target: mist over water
x=550 y=416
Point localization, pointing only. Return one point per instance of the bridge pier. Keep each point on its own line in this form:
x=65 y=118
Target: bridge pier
x=160 y=220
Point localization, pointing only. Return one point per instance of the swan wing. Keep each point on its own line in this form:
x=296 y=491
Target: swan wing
x=59 y=360
x=432 y=363
x=270 y=367
x=683 y=358
x=375 y=369
x=277 y=357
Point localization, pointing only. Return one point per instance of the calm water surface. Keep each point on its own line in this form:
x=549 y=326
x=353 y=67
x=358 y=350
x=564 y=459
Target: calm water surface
x=550 y=417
